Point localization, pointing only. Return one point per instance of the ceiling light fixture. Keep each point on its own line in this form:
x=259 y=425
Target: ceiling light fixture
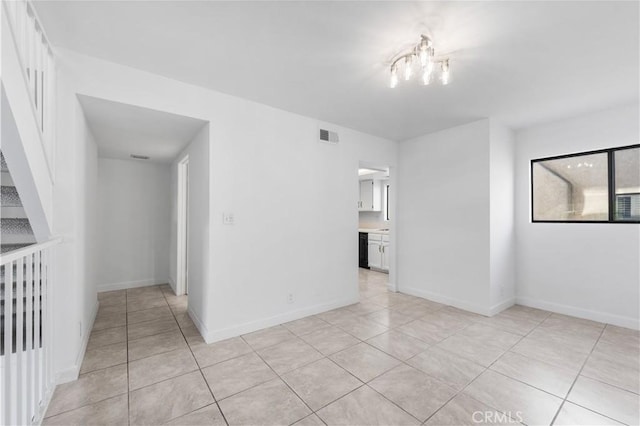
x=425 y=55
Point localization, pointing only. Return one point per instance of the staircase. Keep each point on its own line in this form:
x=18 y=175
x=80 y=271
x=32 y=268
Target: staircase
x=26 y=278
x=15 y=233
x=15 y=230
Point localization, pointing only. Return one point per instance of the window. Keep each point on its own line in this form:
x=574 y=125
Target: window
x=598 y=186
x=386 y=202
x=627 y=184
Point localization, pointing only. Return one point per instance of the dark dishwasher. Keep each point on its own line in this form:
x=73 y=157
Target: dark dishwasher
x=363 y=244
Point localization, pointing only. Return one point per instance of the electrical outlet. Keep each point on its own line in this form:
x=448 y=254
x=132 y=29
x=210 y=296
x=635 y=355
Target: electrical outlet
x=290 y=298
x=228 y=219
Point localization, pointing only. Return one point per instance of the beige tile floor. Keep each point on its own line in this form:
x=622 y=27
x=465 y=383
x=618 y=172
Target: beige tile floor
x=390 y=359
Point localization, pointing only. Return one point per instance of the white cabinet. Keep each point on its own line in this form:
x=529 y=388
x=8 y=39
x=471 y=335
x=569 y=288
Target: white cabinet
x=375 y=254
x=379 y=251
x=370 y=196
x=384 y=264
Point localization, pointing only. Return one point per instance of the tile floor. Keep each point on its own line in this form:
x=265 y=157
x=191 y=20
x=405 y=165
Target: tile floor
x=391 y=359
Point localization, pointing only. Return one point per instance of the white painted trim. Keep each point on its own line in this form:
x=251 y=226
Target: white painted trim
x=67 y=375
x=501 y=306
x=202 y=328
x=182 y=244
x=130 y=284
x=605 y=317
x=237 y=330
x=46 y=400
x=435 y=297
x=392 y=287
x=70 y=374
x=172 y=283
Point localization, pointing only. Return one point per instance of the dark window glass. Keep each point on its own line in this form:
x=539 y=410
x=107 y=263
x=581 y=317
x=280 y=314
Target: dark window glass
x=598 y=186
x=387 y=207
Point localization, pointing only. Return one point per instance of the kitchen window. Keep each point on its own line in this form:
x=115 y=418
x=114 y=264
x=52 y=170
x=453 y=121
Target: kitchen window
x=386 y=202
x=591 y=187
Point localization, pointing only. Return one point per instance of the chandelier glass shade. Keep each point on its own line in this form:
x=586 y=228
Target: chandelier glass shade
x=420 y=57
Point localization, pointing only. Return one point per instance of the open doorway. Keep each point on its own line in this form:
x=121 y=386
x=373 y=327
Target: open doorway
x=375 y=218
x=182 y=272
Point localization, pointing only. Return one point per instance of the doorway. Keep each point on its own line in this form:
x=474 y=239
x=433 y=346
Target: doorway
x=182 y=273
x=376 y=257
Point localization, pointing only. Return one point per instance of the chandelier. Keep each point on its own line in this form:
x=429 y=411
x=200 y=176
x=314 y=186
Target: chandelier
x=424 y=55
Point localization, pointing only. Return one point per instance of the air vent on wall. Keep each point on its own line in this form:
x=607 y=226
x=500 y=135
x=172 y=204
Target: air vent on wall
x=329 y=136
x=140 y=157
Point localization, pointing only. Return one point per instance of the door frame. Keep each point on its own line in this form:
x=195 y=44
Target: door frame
x=392 y=283
x=182 y=268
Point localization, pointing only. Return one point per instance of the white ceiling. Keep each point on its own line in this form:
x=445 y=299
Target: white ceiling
x=121 y=130
x=520 y=62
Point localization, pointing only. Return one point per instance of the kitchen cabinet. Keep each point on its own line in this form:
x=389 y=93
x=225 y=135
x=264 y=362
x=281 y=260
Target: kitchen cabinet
x=370 y=196
x=375 y=254
x=378 y=252
x=384 y=262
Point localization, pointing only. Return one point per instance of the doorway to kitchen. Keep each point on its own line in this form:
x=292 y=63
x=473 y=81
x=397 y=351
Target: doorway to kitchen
x=375 y=218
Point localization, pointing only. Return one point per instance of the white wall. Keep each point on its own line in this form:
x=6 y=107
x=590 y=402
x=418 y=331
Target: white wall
x=74 y=219
x=89 y=227
x=295 y=208
x=443 y=216
x=134 y=223
x=587 y=270
x=198 y=222
x=502 y=228
x=371 y=220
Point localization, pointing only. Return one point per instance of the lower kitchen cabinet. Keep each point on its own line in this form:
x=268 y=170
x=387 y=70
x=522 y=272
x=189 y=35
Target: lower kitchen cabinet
x=378 y=252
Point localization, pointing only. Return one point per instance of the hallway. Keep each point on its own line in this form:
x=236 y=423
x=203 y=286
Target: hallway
x=390 y=359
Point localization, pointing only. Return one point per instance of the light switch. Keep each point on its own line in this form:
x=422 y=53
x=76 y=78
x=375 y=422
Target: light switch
x=227 y=218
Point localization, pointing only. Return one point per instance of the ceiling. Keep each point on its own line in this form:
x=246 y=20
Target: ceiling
x=121 y=130
x=519 y=62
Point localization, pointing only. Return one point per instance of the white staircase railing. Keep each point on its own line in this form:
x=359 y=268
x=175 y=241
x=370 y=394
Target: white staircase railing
x=26 y=379
x=36 y=58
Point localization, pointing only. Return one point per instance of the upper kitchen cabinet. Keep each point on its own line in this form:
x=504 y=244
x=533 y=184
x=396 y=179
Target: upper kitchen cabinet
x=370 y=196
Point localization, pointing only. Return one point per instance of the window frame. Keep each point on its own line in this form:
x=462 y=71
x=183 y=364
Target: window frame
x=611 y=184
x=386 y=188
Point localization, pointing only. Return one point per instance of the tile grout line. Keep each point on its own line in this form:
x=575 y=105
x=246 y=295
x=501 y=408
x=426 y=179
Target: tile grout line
x=126 y=318
x=461 y=391
x=175 y=319
x=215 y=400
x=578 y=375
x=367 y=383
x=279 y=376
x=388 y=329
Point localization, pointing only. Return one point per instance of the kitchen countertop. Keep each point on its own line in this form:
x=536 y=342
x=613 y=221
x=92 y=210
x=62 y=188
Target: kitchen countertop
x=373 y=231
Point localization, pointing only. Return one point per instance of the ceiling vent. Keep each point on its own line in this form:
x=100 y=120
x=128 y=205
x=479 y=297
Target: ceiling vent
x=139 y=157
x=328 y=136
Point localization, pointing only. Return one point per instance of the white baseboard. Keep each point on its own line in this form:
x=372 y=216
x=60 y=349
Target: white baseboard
x=501 y=306
x=392 y=287
x=44 y=406
x=237 y=330
x=446 y=300
x=70 y=374
x=605 y=317
x=202 y=328
x=172 y=283
x=130 y=284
